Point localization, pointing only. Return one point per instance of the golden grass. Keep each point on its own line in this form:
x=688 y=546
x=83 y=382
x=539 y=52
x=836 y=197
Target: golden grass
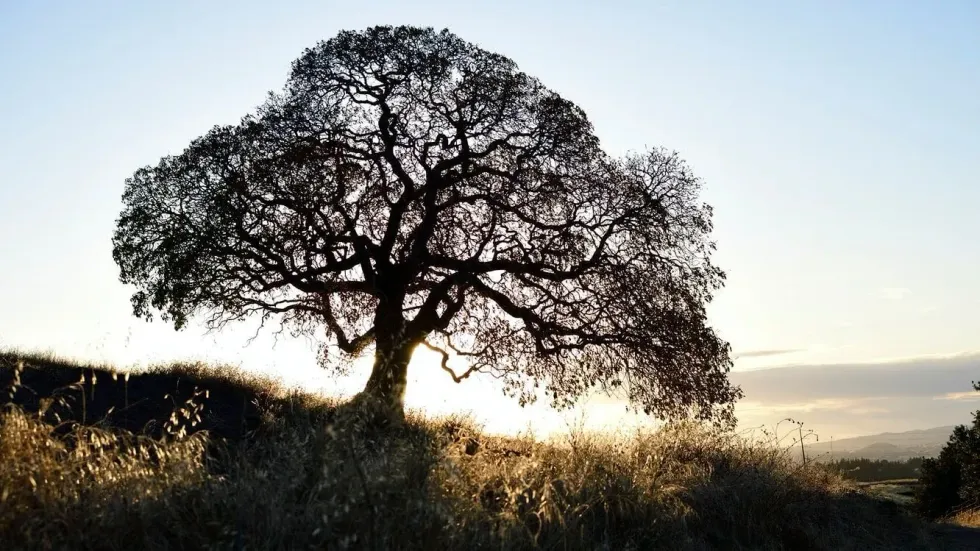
x=309 y=478
x=969 y=518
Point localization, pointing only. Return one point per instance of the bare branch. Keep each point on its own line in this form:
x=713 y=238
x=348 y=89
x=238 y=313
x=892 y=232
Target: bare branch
x=444 y=364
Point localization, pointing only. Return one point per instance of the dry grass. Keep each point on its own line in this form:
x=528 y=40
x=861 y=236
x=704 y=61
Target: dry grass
x=968 y=517
x=307 y=476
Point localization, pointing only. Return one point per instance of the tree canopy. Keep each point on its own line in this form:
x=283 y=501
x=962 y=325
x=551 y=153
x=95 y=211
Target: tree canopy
x=409 y=188
x=952 y=480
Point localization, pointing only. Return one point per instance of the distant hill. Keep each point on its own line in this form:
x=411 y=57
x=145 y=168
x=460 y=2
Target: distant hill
x=893 y=446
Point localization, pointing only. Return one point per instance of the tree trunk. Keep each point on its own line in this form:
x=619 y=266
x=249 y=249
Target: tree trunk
x=384 y=392
x=389 y=376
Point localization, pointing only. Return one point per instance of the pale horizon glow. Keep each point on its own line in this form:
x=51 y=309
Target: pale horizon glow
x=837 y=142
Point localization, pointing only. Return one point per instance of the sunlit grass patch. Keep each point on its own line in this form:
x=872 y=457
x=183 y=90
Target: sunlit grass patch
x=305 y=476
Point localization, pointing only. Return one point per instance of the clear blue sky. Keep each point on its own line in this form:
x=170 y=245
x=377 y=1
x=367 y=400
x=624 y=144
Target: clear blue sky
x=839 y=143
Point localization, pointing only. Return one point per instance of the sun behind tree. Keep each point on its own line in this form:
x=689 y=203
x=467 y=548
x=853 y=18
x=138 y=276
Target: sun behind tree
x=408 y=188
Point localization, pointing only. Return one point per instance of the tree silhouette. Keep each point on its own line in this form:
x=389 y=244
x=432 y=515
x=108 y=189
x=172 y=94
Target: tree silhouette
x=409 y=188
x=952 y=480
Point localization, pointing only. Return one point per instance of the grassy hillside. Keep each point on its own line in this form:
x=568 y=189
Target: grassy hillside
x=185 y=456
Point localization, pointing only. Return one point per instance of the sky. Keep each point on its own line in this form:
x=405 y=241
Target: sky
x=837 y=142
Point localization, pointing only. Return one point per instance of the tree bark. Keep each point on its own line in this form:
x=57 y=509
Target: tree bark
x=389 y=376
x=394 y=345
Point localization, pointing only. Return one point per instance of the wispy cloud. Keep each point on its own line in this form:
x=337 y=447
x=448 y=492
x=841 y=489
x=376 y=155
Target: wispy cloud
x=971 y=396
x=854 y=406
x=894 y=293
x=863 y=398
x=927 y=377
x=763 y=353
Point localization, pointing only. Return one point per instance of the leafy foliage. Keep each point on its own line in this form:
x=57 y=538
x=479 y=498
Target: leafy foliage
x=871 y=470
x=409 y=188
x=952 y=480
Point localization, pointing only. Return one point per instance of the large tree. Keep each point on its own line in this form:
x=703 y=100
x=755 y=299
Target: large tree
x=409 y=188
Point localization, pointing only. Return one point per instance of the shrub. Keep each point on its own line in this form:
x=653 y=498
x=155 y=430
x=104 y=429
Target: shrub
x=951 y=481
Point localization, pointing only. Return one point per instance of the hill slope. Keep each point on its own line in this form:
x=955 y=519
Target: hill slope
x=889 y=445
x=279 y=470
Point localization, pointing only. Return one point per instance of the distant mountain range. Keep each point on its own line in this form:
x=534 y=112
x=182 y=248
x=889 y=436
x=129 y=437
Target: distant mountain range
x=893 y=446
